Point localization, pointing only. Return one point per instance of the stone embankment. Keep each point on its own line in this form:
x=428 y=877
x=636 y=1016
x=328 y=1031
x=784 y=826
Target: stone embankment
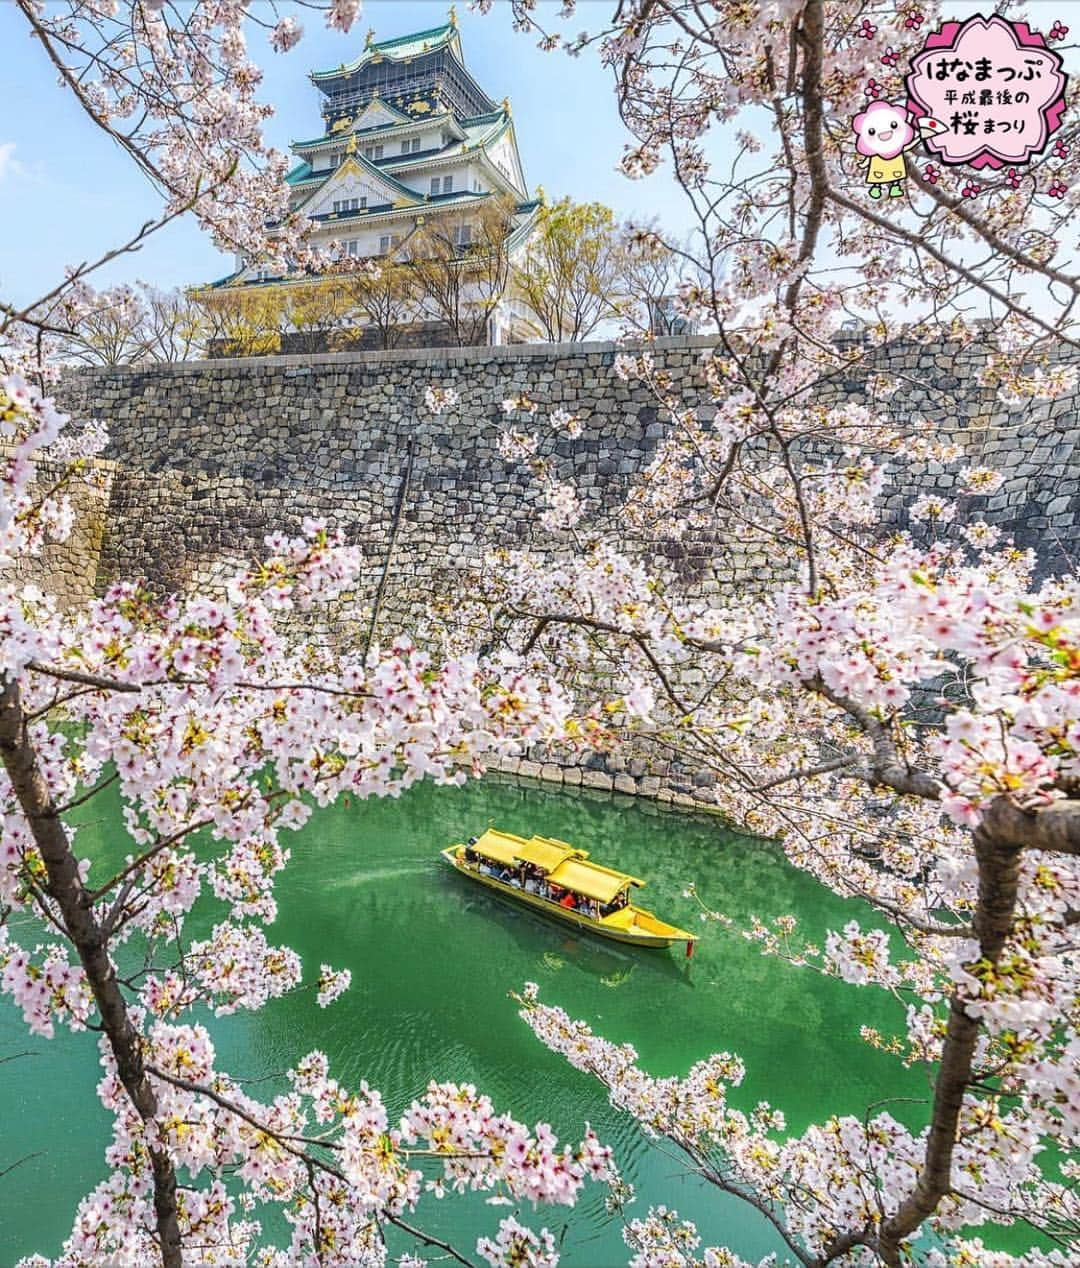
x=208 y=458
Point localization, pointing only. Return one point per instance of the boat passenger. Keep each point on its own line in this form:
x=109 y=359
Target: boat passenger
x=470 y=854
x=568 y=901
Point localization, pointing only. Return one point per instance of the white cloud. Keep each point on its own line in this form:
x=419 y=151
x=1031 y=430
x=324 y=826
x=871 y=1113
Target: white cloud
x=9 y=164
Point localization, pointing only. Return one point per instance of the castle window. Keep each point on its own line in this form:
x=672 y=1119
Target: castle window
x=410 y=147
x=462 y=235
x=388 y=242
x=373 y=151
x=445 y=186
x=352 y=247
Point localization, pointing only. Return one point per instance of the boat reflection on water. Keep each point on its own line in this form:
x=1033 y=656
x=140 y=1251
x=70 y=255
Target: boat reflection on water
x=608 y=964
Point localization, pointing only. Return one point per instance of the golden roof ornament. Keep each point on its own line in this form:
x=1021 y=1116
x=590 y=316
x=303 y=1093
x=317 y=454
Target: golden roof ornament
x=370 y=37
x=350 y=144
x=541 y=195
x=506 y=106
x=452 y=15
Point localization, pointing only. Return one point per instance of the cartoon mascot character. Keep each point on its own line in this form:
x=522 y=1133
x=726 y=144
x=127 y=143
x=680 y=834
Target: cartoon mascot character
x=884 y=132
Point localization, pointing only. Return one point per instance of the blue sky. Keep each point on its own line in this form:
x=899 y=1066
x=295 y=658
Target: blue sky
x=67 y=193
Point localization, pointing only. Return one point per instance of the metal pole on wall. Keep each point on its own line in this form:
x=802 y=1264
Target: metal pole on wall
x=403 y=492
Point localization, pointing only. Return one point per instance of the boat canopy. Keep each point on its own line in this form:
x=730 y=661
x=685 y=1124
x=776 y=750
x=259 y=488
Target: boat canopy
x=545 y=853
x=503 y=847
x=592 y=880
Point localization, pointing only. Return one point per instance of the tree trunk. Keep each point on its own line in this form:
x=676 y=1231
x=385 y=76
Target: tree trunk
x=999 y=876
x=82 y=927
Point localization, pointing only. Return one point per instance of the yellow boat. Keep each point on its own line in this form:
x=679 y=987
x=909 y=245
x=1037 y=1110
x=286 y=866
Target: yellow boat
x=545 y=869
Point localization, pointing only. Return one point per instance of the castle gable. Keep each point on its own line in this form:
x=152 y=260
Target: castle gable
x=377 y=114
x=356 y=178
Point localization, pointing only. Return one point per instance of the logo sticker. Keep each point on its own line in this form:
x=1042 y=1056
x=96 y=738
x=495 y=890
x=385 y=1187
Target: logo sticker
x=994 y=89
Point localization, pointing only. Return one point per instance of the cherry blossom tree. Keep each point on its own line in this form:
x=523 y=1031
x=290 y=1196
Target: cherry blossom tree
x=900 y=707
x=221 y=723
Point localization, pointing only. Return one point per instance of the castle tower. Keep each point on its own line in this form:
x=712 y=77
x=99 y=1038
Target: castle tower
x=408 y=134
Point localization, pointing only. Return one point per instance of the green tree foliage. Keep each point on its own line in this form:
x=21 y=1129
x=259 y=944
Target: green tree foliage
x=568 y=275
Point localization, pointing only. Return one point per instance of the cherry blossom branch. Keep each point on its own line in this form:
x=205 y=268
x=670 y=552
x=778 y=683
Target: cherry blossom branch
x=93 y=792
x=38 y=1153
x=66 y=887
x=162 y=843
x=887 y=768
x=289 y=1143
x=999 y=881
x=962 y=270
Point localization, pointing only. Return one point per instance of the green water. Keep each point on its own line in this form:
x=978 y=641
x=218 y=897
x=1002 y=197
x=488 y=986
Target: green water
x=432 y=960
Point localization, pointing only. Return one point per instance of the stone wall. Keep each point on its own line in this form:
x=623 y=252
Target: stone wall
x=70 y=569
x=214 y=456
x=210 y=457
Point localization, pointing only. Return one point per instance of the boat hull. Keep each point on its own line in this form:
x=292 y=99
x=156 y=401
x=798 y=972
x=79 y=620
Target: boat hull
x=632 y=932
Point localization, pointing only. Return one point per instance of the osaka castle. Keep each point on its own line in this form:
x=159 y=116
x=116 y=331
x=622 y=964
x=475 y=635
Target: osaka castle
x=409 y=139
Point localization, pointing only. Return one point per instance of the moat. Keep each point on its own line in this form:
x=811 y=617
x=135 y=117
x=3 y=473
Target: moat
x=433 y=960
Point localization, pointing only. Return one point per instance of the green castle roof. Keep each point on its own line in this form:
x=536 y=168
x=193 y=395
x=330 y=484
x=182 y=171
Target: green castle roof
x=479 y=129
x=300 y=174
x=398 y=49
